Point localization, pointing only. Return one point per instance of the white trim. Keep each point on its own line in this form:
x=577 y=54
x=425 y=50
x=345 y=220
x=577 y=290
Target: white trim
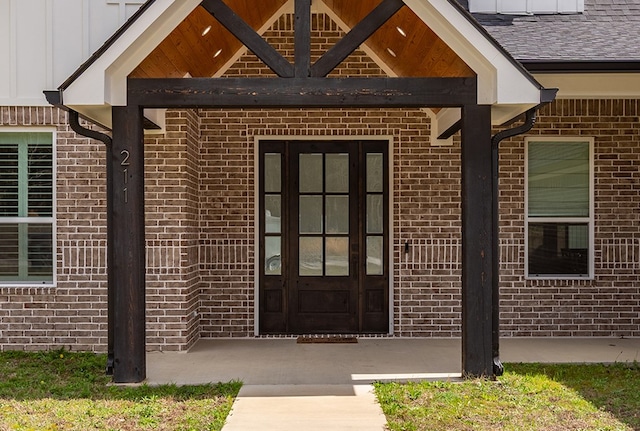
x=590 y=220
x=54 y=205
x=256 y=234
x=592 y=85
x=256 y=200
x=440 y=122
x=27 y=220
x=390 y=192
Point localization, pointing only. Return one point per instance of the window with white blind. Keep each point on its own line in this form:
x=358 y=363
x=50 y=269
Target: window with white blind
x=559 y=195
x=26 y=207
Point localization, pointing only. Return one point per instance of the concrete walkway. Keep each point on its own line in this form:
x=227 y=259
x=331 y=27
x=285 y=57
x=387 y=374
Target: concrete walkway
x=289 y=386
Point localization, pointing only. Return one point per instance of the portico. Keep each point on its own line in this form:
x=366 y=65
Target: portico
x=136 y=76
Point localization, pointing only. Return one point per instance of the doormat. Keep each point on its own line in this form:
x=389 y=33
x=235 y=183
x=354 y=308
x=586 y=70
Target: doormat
x=327 y=340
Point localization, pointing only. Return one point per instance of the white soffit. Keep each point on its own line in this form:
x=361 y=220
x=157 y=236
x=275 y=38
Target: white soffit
x=500 y=81
x=592 y=85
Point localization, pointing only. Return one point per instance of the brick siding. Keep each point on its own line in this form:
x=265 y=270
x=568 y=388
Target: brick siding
x=608 y=305
x=200 y=212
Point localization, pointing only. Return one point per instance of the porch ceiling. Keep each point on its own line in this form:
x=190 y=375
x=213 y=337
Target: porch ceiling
x=201 y=47
x=180 y=38
x=404 y=43
x=191 y=48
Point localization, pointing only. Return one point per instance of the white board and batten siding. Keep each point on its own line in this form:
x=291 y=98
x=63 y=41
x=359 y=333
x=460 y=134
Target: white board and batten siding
x=42 y=42
x=526 y=7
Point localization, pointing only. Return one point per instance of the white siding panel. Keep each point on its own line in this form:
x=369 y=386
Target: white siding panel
x=6 y=64
x=548 y=6
x=68 y=34
x=131 y=8
x=482 y=6
x=42 y=42
x=520 y=7
x=512 y=6
x=103 y=22
x=31 y=44
x=567 y=6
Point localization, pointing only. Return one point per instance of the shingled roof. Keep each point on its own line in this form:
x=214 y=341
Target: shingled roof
x=607 y=31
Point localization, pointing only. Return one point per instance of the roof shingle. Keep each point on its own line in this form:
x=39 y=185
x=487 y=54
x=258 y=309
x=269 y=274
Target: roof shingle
x=607 y=30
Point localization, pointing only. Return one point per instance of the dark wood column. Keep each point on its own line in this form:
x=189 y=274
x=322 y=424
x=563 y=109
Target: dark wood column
x=128 y=246
x=477 y=254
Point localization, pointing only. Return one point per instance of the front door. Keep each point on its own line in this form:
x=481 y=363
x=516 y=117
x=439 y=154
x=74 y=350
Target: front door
x=323 y=237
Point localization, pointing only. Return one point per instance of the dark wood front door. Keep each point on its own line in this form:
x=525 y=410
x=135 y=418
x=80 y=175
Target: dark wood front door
x=323 y=237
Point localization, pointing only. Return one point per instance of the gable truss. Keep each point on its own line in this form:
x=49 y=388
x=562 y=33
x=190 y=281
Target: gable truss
x=302 y=67
x=302 y=85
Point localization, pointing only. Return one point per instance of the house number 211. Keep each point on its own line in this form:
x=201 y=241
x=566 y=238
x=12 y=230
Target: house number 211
x=125 y=171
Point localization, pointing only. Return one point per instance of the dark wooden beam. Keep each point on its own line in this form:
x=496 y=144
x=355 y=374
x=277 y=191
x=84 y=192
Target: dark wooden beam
x=301 y=92
x=249 y=37
x=127 y=162
x=477 y=252
x=302 y=31
x=357 y=36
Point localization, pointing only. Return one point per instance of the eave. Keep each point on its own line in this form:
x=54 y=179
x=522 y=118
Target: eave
x=100 y=83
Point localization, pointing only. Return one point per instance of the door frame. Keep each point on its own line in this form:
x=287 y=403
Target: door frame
x=256 y=216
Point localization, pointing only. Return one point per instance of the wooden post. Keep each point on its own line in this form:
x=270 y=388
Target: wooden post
x=302 y=48
x=477 y=254
x=128 y=246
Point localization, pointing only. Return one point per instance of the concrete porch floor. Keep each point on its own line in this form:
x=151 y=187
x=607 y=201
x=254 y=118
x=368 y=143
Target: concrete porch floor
x=319 y=387
x=283 y=362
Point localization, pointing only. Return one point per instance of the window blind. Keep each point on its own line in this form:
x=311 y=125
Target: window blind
x=558 y=179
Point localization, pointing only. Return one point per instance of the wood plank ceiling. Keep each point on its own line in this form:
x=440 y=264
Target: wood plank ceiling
x=200 y=46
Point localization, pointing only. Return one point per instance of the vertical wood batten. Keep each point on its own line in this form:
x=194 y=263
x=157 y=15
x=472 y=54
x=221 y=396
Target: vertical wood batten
x=127 y=162
x=477 y=260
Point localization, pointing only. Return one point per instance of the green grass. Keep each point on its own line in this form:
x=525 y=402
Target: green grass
x=528 y=397
x=60 y=390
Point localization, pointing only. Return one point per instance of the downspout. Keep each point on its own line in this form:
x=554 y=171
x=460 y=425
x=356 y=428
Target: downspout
x=547 y=96
x=54 y=97
x=74 y=122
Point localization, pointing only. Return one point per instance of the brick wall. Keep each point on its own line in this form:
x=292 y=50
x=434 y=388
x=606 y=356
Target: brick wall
x=172 y=224
x=608 y=305
x=200 y=211
x=73 y=314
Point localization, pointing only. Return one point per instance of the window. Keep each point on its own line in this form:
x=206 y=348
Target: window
x=559 y=194
x=526 y=7
x=26 y=207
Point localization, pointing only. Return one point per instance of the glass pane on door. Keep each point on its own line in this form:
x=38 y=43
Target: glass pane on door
x=272 y=172
x=337 y=210
x=311 y=256
x=337 y=176
x=311 y=214
x=311 y=173
x=273 y=217
x=273 y=255
x=337 y=256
